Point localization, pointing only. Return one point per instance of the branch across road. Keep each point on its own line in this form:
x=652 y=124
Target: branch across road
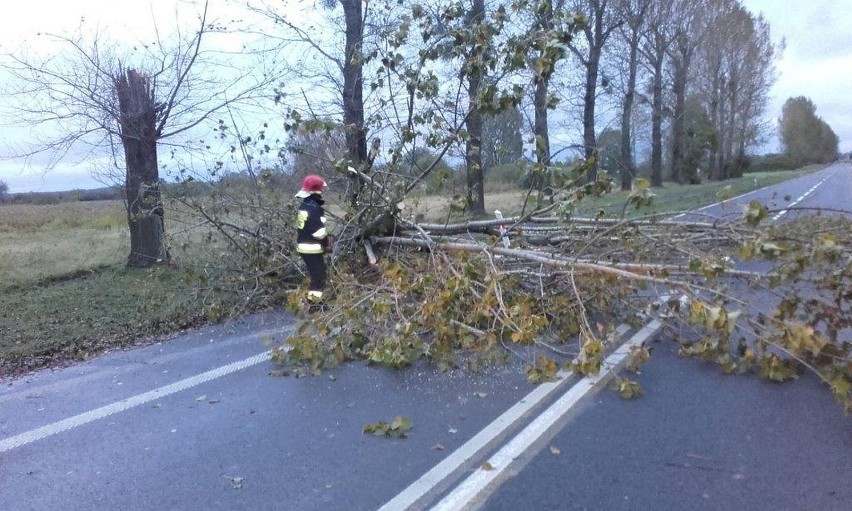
x=199 y=423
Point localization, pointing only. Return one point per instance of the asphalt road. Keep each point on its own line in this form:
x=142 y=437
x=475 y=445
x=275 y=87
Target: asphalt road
x=198 y=422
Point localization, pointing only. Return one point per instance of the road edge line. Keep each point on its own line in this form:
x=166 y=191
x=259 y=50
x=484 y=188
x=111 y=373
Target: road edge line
x=54 y=428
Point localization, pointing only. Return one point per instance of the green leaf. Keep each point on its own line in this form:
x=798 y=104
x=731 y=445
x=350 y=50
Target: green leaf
x=755 y=213
x=627 y=389
x=724 y=193
x=397 y=428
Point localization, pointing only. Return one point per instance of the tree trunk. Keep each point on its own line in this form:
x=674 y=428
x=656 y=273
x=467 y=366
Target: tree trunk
x=678 y=120
x=715 y=119
x=627 y=166
x=145 y=215
x=657 y=125
x=540 y=130
x=733 y=161
x=353 y=90
x=589 y=139
x=473 y=146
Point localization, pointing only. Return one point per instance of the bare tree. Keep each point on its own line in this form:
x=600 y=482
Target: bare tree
x=341 y=71
x=654 y=49
x=691 y=22
x=635 y=16
x=99 y=100
x=756 y=54
x=734 y=71
x=551 y=31
x=602 y=18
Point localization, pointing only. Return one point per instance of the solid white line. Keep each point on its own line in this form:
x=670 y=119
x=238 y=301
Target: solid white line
x=473 y=486
x=13 y=442
x=419 y=488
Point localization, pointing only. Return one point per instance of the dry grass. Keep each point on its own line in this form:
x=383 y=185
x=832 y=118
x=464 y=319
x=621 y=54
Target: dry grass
x=63 y=216
x=27 y=258
x=44 y=242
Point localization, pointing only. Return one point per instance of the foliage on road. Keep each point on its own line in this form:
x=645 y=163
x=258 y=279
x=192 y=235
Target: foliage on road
x=397 y=428
x=453 y=295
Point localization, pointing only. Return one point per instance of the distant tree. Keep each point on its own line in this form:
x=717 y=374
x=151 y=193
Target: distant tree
x=734 y=71
x=806 y=138
x=4 y=191
x=610 y=152
x=691 y=26
x=501 y=138
x=635 y=24
x=700 y=140
x=654 y=49
x=314 y=146
x=421 y=159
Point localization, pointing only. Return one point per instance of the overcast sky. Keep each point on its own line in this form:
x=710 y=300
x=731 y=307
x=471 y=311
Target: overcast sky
x=817 y=62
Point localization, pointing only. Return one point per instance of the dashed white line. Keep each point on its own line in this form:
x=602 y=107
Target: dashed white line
x=33 y=435
x=800 y=199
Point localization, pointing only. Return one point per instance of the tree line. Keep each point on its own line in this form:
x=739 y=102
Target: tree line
x=678 y=87
x=693 y=76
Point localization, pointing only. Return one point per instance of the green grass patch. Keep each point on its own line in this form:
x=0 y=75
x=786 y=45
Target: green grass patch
x=76 y=318
x=672 y=197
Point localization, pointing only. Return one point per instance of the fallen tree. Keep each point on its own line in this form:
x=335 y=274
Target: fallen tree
x=453 y=294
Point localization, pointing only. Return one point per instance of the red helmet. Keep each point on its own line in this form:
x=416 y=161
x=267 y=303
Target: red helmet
x=311 y=184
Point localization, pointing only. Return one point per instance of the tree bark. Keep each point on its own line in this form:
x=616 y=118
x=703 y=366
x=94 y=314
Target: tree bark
x=353 y=89
x=678 y=124
x=627 y=166
x=139 y=135
x=657 y=124
x=473 y=146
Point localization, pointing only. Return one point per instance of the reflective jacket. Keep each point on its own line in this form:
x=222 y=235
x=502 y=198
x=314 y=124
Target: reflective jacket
x=310 y=224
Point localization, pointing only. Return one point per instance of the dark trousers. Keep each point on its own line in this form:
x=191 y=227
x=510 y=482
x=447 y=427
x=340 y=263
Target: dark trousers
x=316 y=270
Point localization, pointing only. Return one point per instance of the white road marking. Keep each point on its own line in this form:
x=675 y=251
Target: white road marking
x=702 y=208
x=749 y=193
x=434 y=477
x=800 y=199
x=33 y=435
x=466 y=493
x=34 y=386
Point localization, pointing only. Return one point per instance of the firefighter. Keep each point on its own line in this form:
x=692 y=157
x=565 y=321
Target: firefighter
x=312 y=238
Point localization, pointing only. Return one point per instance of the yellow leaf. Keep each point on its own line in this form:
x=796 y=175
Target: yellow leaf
x=641 y=183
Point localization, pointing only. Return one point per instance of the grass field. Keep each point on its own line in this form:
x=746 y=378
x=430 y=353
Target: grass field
x=44 y=242
x=65 y=293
